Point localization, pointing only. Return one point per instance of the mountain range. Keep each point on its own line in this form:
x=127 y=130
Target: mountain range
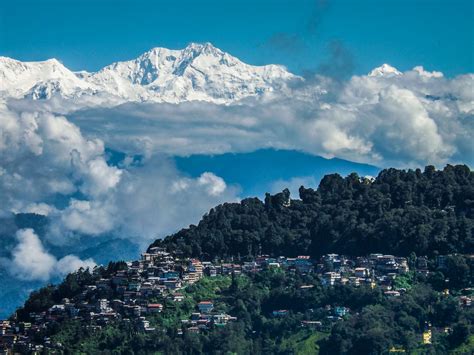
x=199 y=72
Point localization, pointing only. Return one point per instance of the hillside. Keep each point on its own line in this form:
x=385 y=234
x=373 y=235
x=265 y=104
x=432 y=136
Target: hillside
x=354 y=267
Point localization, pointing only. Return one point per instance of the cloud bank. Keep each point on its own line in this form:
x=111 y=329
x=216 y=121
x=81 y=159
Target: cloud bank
x=385 y=119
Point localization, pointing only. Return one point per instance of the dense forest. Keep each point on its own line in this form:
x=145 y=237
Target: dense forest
x=400 y=212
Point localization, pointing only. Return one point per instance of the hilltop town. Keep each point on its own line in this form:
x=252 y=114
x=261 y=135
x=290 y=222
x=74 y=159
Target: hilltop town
x=138 y=292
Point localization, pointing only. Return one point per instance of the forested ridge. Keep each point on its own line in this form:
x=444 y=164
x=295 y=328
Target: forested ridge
x=427 y=212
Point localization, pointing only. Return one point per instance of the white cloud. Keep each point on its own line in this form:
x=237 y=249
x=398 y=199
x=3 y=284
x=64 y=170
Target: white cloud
x=42 y=155
x=30 y=261
x=150 y=201
x=88 y=217
x=213 y=184
x=155 y=199
x=419 y=117
x=423 y=73
x=97 y=177
x=402 y=130
x=71 y=263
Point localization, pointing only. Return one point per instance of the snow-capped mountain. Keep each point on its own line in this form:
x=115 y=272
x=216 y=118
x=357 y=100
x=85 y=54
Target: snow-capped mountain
x=198 y=72
x=38 y=80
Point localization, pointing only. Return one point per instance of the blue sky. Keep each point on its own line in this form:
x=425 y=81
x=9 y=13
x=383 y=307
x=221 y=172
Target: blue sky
x=89 y=34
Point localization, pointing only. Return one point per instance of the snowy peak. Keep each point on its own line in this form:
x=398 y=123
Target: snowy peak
x=196 y=49
x=161 y=63
x=385 y=70
x=200 y=71
x=19 y=78
x=11 y=70
x=142 y=70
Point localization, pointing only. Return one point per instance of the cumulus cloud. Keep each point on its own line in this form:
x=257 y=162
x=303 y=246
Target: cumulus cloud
x=151 y=201
x=30 y=261
x=50 y=168
x=71 y=263
x=43 y=155
x=214 y=185
x=155 y=199
x=87 y=217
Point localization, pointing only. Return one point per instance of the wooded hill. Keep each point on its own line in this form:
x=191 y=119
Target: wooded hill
x=399 y=212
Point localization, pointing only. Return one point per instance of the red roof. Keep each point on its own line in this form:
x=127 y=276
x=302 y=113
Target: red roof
x=155 y=305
